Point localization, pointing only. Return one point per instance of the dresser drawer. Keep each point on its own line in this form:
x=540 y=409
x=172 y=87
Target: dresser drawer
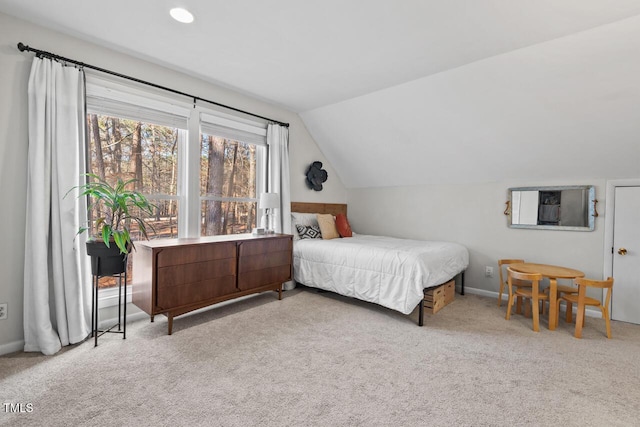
x=194 y=293
x=265 y=246
x=195 y=253
x=267 y=276
x=176 y=275
x=263 y=261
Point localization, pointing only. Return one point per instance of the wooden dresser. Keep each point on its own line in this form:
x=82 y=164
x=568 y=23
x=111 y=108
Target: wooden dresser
x=175 y=276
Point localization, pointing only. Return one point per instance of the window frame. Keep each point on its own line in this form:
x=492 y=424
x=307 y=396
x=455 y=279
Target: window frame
x=261 y=182
x=188 y=154
x=109 y=296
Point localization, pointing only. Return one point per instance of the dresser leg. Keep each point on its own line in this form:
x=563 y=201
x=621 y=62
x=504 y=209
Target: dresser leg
x=151 y=318
x=170 y=323
x=280 y=292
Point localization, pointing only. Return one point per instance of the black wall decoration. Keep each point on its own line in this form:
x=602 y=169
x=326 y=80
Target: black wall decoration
x=316 y=176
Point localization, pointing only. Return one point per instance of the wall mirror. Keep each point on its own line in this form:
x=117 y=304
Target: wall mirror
x=553 y=208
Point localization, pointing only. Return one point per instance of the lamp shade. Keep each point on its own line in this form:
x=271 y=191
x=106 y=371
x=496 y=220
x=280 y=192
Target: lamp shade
x=269 y=200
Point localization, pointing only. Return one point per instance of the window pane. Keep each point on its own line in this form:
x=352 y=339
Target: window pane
x=228 y=171
x=232 y=217
x=162 y=224
x=129 y=149
x=227 y=168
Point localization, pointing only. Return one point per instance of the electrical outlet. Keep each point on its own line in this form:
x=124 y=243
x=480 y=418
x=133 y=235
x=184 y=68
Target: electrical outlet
x=488 y=271
x=3 y=311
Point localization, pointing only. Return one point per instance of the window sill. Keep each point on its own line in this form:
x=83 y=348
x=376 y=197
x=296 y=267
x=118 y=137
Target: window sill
x=109 y=297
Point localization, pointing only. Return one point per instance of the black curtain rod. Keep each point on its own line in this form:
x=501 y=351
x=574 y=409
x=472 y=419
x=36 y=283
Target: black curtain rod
x=22 y=47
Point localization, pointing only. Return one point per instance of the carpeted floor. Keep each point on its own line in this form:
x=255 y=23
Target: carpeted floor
x=318 y=359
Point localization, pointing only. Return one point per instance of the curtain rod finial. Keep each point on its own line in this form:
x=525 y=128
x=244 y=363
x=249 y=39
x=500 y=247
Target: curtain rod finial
x=22 y=47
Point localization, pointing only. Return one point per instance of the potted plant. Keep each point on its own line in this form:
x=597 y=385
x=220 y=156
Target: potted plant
x=119 y=208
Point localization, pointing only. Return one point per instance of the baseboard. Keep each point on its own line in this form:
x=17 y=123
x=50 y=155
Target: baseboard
x=14 y=346
x=11 y=347
x=590 y=312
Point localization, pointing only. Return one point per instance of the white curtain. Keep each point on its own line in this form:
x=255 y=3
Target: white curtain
x=57 y=281
x=279 y=180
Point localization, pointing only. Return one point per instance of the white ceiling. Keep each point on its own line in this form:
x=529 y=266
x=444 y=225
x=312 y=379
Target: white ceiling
x=426 y=88
x=308 y=54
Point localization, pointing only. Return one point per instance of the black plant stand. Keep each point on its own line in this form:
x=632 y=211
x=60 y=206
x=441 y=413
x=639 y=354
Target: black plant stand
x=122 y=308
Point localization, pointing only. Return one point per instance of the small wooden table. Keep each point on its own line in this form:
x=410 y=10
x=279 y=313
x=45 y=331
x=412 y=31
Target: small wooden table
x=552 y=272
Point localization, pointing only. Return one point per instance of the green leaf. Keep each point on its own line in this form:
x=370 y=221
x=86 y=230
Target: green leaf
x=120 y=239
x=106 y=234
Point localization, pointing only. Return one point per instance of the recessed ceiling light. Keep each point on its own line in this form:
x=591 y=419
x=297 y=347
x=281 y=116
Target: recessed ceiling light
x=181 y=15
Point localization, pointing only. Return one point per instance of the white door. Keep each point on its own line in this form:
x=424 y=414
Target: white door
x=625 y=304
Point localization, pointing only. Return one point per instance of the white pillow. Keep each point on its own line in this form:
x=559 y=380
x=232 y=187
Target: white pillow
x=302 y=219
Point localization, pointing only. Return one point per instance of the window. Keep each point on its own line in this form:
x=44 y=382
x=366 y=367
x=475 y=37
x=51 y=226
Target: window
x=232 y=171
x=127 y=149
x=139 y=135
x=228 y=183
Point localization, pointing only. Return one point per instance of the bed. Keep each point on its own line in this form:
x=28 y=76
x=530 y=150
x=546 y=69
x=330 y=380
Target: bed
x=387 y=271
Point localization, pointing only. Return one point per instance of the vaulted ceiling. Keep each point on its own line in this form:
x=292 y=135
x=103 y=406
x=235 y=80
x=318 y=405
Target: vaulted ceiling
x=408 y=92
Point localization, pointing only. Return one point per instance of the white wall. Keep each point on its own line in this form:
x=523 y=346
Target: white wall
x=14 y=73
x=472 y=214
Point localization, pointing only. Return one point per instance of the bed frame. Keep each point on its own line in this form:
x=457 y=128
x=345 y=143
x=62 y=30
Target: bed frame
x=323 y=208
x=336 y=208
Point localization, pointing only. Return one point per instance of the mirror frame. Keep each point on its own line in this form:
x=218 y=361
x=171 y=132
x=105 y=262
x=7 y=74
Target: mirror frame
x=591 y=208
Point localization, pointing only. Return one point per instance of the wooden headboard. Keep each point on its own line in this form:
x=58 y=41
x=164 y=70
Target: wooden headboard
x=323 y=208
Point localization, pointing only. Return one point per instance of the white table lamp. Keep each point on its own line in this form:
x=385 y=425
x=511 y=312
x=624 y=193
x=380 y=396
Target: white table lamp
x=268 y=202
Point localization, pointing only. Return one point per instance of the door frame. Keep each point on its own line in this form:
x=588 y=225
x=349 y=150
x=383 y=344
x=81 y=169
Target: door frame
x=610 y=203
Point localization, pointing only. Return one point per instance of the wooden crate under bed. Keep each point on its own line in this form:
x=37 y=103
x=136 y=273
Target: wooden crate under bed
x=436 y=298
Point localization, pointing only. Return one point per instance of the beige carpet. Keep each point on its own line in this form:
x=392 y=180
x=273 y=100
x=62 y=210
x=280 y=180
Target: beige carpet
x=323 y=360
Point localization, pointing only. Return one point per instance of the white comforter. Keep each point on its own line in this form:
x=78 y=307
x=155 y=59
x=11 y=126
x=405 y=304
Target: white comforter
x=383 y=270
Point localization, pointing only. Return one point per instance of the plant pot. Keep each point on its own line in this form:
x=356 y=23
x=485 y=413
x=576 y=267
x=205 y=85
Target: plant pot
x=106 y=261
